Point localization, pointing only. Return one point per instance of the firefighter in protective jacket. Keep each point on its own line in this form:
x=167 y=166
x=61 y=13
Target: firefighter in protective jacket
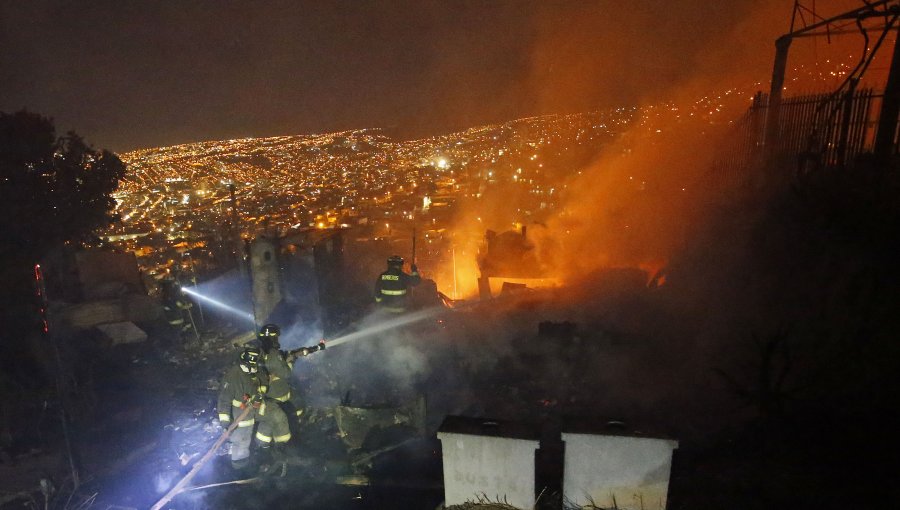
x=280 y=368
x=176 y=306
x=245 y=385
x=392 y=286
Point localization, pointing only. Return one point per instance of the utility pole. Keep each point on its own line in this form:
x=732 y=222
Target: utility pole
x=885 y=13
x=413 y=259
x=890 y=111
x=237 y=247
x=41 y=291
x=782 y=45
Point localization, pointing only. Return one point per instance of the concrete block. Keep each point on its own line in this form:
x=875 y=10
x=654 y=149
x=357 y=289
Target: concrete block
x=88 y=314
x=107 y=274
x=141 y=308
x=122 y=333
x=628 y=472
x=488 y=459
x=356 y=423
x=128 y=308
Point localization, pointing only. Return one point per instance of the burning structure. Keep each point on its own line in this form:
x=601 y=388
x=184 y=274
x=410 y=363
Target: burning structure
x=298 y=273
x=509 y=262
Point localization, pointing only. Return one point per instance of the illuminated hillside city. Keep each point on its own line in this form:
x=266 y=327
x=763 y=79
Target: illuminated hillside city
x=178 y=199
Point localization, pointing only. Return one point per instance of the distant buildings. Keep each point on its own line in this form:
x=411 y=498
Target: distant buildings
x=178 y=199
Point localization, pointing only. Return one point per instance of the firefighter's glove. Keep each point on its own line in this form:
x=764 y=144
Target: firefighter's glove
x=252 y=400
x=322 y=344
x=256 y=400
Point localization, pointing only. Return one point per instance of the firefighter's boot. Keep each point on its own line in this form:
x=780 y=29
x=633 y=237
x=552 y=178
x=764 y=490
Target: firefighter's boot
x=279 y=460
x=273 y=461
x=244 y=468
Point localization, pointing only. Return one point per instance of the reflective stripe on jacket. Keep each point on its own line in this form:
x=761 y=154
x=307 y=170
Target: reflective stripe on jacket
x=235 y=384
x=280 y=372
x=392 y=286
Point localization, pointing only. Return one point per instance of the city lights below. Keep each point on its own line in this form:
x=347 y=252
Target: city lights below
x=204 y=196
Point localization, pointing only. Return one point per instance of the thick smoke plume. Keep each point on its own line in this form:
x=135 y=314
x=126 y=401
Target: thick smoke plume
x=636 y=205
x=681 y=91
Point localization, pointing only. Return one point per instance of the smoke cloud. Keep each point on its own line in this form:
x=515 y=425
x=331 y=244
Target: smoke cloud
x=679 y=76
x=636 y=206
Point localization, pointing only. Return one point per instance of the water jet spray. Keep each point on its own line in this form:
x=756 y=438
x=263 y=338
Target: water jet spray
x=220 y=305
x=387 y=325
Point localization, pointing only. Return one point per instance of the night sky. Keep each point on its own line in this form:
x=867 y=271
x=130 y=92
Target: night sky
x=128 y=74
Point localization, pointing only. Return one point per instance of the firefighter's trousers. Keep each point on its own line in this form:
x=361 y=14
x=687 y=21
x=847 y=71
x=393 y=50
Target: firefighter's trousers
x=293 y=406
x=241 y=438
x=272 y=425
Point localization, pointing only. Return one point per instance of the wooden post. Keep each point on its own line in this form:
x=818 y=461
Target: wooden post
x=846 y=113
x=183 y=483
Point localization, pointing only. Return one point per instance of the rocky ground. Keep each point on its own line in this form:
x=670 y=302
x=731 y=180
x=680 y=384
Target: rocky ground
x=148 y=410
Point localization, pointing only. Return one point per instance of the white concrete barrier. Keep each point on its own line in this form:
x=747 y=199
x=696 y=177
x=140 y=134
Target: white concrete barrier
x=488 y=459
x=628 y=472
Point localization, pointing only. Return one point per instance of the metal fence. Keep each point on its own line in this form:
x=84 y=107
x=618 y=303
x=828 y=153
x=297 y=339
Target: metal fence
x=825 y=129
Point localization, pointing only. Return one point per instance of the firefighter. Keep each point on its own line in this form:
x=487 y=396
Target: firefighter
x=280 y=367
x=176 y=306
x=245 y=385
x=392 y=286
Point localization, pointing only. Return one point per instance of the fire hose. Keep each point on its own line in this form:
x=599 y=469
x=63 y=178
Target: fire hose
x=180 y=487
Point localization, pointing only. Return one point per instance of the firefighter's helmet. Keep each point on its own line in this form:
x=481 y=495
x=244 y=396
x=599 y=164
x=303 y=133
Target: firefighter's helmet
x=268 y=337
x=249 y=359
x=395 y=261
x=270 y=330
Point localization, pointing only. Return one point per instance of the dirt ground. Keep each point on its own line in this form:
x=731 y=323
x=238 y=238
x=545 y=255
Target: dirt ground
x=148 y=411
